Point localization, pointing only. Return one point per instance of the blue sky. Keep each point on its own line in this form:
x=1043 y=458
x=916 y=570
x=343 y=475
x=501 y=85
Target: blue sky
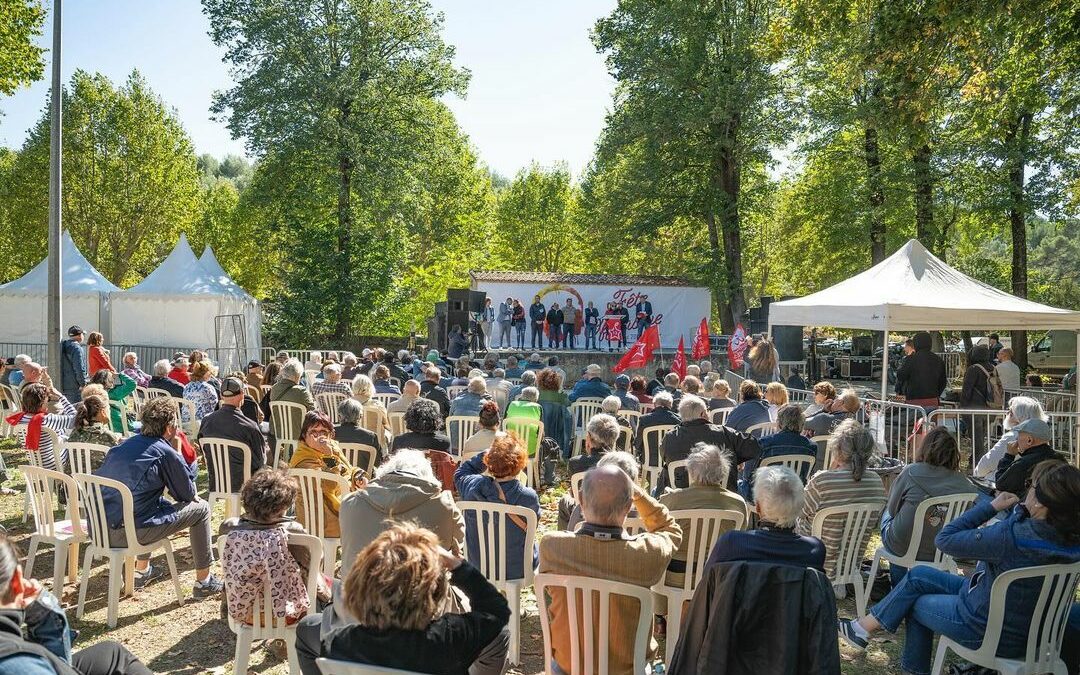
x=539 y=90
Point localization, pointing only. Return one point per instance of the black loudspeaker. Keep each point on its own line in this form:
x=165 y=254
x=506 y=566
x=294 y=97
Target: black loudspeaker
x=476 y=301
x=457 y=300
x=862 y=345
x=788 y=342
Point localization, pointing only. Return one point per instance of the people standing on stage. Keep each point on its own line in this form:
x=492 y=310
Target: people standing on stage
x=487 y=319
x=644 y=315
x=592 y=325
x=624 y=322
x=554 y=321
x=517 y=320
x=506 y=319
x=612 y=312
x=537 y=314
x=569 y=325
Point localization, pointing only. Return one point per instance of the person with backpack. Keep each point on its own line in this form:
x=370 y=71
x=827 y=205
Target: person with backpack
x=981 y=391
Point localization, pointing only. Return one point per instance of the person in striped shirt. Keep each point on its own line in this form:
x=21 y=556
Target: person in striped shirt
x=845 y=482
x=35 y=415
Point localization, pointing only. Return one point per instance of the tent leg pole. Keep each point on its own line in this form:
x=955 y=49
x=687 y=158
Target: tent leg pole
x=885 y=362
x=1076 y=390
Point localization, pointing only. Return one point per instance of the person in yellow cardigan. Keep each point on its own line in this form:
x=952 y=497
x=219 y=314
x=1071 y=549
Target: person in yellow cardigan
x=318 y=450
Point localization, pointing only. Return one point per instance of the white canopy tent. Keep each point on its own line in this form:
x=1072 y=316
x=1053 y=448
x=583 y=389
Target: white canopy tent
x=85 y=296
x=178 y=305
x=252 y=327
x=913 y=290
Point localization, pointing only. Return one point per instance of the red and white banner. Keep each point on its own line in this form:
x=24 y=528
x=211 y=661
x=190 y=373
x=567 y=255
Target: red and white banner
x=640 y=353
x=676 y=309
x=736 y=346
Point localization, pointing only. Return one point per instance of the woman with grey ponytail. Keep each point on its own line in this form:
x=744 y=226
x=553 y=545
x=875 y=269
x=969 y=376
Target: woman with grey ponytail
x=25 y=601
x=845 y=482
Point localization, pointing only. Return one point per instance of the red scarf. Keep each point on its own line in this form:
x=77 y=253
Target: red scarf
x=186 y=449
x=33 y=428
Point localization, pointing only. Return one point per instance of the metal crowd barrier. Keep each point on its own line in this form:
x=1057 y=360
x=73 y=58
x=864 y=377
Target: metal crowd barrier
x=1051 y=399
x=735 y=380
x=892 y=424
x=800 y=396
x=977 y=430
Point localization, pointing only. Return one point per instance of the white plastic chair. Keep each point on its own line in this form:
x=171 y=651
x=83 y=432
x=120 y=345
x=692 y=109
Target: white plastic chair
x=335 y=667
x=122 y=409
x=153 y=392
x=718 y=416
x=218 y=452
x=362 y=456
x=327 y=403
x=949 y=507
x=80 y=456
x=310 y=376
x=581 y=411
x=285 y=419
x=856 y=519
x=701 y=528
x=267 y=625
x=453 y=391
x=530 y=433
x=492 y=527
x=575 y=485
x=646 y=408
x=121 y=559
x=1047 y=631
x=800 y=464
x=64 y=535
x=672 y=467
x=310 y=482
x=385 y=399
x=595 y=630
x=460 y=428
x=762 y=429
x=139 y=399
x=397 y=423
x=652 y=441
x=822 y=442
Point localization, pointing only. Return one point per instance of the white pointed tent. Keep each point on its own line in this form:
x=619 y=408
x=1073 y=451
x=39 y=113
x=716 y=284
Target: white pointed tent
x=251 y=305
x=177 y=304
x=913 y=290
x=85 y=294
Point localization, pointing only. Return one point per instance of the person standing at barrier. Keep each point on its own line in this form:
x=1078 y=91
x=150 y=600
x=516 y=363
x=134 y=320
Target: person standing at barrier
x=537 y=314
x=921 y=375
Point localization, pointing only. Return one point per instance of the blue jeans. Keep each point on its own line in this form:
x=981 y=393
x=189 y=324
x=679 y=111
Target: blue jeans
x=553 y=336
x=590 y=337
x=929 y=599
x=896 y=572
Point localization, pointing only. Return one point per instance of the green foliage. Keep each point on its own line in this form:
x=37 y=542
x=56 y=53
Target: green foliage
x=130 y=179
x=20 y=57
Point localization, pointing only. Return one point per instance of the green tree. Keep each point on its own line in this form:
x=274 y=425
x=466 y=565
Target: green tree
x=20 y=56
x=698 y=105
x=538 y=227
x=344 y=89
x=130 y=179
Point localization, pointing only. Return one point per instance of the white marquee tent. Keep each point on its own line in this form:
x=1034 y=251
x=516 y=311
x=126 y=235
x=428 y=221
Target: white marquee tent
x=252 y=327
x=24 y=301
x=913 y=290
x=178 y=303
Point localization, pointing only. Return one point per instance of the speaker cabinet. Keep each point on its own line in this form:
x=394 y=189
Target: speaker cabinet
x=788 y=342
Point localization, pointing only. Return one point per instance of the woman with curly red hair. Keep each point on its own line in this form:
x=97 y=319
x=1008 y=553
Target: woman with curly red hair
x=492 y=476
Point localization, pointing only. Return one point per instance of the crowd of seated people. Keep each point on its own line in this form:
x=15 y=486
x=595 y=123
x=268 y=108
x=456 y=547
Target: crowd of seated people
x=408 y=511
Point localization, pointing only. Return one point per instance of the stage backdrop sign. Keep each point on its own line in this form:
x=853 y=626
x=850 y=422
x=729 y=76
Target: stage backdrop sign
x=677 y=310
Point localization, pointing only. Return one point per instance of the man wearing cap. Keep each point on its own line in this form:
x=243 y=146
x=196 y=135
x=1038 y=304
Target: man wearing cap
x=627 y=401
x=72 y=364
x=230 y=423
x=254 y=374
x=1031 y=447
x=591 y=385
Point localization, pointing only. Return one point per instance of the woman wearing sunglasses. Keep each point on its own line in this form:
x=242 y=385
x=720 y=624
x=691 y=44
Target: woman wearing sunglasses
x=318 y=450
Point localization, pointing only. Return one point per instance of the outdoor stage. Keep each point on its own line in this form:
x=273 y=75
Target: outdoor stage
x=575 y=361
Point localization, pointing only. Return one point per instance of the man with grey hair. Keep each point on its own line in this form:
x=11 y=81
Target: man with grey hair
x=626 y=463
x=288 y=388
x=161 y=379
x=590 y=385
x=778 y=501
x=695 y=428
x=706 y=367
x=601 y=434
x=512 y=367
x=469 y=401
x=662 y=414
x=350 y=426
x=601 y=549
x=410 y=391
x=528 y=379
x=331 y=382
x=788 y=441
x=13 y=373
x=431 y=389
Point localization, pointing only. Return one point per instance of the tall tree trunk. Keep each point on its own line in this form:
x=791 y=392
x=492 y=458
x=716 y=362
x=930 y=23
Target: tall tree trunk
x=726 y=185
x=1017 y=137
x=344 y=230
x=924 y=199
x=875 y=193
x=719 y=289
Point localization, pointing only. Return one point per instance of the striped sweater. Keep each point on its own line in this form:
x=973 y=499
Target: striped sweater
x=62 y=424
x=838 y=488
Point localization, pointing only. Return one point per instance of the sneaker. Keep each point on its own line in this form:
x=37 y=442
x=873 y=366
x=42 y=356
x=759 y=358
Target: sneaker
x=208 y=587
x=146 y=576
x=850 y=633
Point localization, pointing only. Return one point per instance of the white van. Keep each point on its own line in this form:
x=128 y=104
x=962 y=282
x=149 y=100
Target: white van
x=1055 y=353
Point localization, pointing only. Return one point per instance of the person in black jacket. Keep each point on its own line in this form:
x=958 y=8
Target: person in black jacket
x=161 y=380
x=536 y=321
x=975 y=395
x=921 y=375
x=624 y=321
x=1021 y=457
x=431 y=390
x=554 y=321
x=396 y=592
x=229 y=422
x=694 y=429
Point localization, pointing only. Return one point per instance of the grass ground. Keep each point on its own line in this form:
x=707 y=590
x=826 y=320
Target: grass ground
x=194 y=639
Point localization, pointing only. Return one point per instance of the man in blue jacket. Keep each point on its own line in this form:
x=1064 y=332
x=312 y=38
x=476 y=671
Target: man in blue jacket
x=149 y=464
x=591 y=385
x=72 y=364
x=537 y=314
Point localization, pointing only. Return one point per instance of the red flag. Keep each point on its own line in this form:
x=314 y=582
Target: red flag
x=614 y=329
x=678 y=364
x=640 y=353
x=701 y=347
x=736 y=346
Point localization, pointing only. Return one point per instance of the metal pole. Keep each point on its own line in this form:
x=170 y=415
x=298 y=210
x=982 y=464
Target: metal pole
x=884 y=361
x=1076 y=388
x=55 y=186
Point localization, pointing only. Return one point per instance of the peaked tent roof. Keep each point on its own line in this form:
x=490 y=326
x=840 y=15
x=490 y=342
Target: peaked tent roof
x=78 y=275
x=914 y=290
x=180 y=274
x=213 y=267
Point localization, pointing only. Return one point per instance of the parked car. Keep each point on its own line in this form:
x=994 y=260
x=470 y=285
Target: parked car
x=1055 y=353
